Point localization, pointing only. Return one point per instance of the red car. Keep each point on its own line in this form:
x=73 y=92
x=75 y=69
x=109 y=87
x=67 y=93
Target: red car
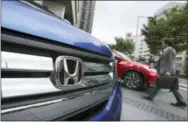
x=133 y=74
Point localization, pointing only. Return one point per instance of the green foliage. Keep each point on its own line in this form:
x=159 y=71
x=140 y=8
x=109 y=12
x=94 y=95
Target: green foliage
x=186 y=65
x=173 y=26
x=186 y=69
x=186 y=61
x=186 y=8
x=123 y=45
x=126 y=46
x=112 y=46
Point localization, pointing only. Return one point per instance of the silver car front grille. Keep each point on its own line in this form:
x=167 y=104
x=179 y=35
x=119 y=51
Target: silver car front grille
x=24 y=74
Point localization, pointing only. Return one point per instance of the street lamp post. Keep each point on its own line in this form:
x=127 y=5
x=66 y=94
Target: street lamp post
x=138 y=26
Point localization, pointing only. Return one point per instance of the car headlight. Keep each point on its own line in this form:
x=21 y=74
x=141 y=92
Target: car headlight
x=153 y=70
x=146 y=67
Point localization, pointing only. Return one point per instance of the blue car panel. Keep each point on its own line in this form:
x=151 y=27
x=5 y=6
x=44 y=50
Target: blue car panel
x=112 y=110
x=20 y=17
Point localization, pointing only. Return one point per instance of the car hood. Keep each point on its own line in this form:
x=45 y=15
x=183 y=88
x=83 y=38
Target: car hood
x=141 y=64
x=146 y=67
x=20 y=17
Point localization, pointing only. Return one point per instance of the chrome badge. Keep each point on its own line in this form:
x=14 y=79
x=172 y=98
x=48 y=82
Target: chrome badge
x=68 y=71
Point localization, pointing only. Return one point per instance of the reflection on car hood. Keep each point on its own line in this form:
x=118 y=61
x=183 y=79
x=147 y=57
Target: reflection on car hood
x=20 y=17
x=141 y=64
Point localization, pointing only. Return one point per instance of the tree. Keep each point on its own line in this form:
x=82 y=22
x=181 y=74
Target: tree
x=173 y=26
x=186 y=61
x=123 y=45
x=153 y=34
x=186 y=7
x=186 y=65
x=112 y=46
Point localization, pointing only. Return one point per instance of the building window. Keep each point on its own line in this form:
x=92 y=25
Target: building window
x=90 y=5
x=88 y=26
x=83 y=14
x=82 y=25
x=85 y=4
x=89 y=16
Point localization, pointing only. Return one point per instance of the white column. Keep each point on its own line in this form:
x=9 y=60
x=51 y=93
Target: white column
x=63 y=11
x=74 y=12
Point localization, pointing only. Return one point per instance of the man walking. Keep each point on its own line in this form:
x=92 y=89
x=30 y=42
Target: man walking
x=166 y=66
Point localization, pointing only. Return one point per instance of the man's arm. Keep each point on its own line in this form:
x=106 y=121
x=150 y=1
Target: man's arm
x=168 y=58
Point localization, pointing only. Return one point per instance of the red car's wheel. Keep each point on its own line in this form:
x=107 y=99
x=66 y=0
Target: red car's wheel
x=133 y=80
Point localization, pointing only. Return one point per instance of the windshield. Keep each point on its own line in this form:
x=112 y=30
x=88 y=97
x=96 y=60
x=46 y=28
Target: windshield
x=122 y=55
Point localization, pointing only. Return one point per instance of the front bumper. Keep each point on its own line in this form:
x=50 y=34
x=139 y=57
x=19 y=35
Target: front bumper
x=112 y=110
x=152 y=78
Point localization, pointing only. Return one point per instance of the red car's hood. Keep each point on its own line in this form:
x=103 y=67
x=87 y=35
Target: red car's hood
x=137 y=63
x=145 y=66
x=141 y=64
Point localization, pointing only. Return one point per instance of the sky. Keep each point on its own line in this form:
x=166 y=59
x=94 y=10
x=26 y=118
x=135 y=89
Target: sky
x=116 y=18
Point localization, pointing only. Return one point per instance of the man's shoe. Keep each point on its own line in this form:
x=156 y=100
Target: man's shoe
x=147 y=98
x=179 y=104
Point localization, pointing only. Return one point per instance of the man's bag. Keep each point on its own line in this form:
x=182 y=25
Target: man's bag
x=165 y=82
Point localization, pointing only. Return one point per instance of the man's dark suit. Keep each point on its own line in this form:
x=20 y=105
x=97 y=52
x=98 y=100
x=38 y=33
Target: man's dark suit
x=165 y=64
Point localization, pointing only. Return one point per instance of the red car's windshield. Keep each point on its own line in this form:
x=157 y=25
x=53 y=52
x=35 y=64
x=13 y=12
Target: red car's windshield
x=121 y=55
